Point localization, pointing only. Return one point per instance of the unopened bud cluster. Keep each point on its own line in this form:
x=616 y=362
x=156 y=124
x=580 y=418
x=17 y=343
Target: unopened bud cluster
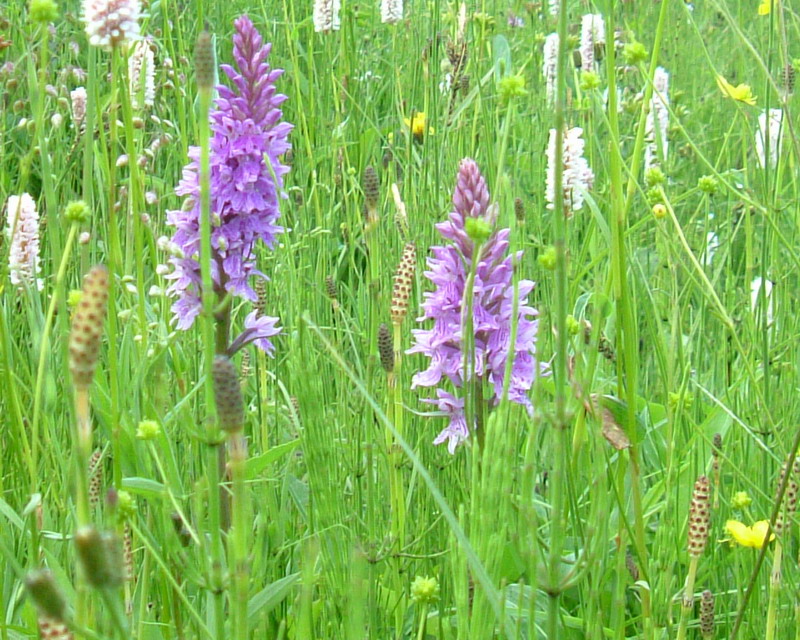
x=402 y=283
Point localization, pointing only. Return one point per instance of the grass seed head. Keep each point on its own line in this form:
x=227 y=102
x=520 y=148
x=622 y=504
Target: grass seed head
x=87 y=327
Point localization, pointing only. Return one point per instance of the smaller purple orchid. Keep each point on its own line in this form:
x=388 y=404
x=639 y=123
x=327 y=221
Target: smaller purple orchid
x=492 y=307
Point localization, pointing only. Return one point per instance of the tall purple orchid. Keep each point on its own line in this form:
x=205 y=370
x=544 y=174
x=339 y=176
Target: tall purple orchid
x=246 y=182
x=492 y=306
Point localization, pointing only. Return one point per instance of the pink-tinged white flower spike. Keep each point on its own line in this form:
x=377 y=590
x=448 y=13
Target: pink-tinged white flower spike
x=550 y=66
x=772 y=134
x=593 y=33
x=141 y=75
x=326 y=15
x=22 y=231
x=78 y=98
x=391 y=11
x=110 y=23
x=657 y=122
x=577 y=178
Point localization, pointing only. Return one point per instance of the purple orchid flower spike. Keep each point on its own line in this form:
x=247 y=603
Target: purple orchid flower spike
x=493 y=304
x=248 y=139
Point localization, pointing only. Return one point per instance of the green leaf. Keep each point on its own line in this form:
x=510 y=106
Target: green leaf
x=11 y=515
x=257 y=464
x=501 y=55
x=144 y=487
x=271 y=596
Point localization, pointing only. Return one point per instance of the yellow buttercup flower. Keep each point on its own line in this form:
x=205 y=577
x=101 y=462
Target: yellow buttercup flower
x=417 y=123
x=765 y=7
x=755 y=536
x=741 y=92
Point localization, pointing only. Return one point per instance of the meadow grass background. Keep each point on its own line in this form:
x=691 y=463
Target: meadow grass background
x=323 y=561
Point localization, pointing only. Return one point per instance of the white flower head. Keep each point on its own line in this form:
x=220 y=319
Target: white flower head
x=593 y=33
x=578 y=177
x=391 y=11
x=141 y=75
x=78 y=98
x=22 y=230
x=769 y=134
x=657 y=122
x=712 y=244
x=326 y=15
x=550 y=66
x=110 y=23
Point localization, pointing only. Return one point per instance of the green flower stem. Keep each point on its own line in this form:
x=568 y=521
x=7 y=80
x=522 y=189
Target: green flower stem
x=423 y=618
x=560 y=426
x=687 y=602
x=51 y=203
x=135 y=204
x=216 y=593
x=115 y=269
x=473 y=411
x=239 y=537
x=44 y=350
x=395 y=458
x=774 y=591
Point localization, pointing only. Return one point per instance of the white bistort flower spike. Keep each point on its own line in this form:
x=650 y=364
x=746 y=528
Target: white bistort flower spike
x=578 y=177
x=22 y=231
x=773 y=134
x=593 y=33
x=550 y=66
x=110 y=23
x=326 y=15
x=391 y=11
x=141 y=75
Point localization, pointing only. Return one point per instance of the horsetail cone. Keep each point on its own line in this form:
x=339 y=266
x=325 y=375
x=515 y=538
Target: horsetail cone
x=402 y=284
x=707 y=614
x=87 y=327
x=371 y=186
x=52 y=630
x=385 y=348
x=204 y=61
x=101 y=557
x=228 y=395
x=699 y=517
x=789 y=505
x=46 y=595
